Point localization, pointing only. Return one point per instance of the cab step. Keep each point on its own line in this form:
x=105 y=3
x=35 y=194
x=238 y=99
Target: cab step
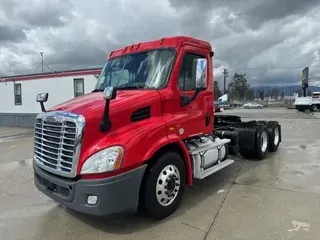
x=201 y=174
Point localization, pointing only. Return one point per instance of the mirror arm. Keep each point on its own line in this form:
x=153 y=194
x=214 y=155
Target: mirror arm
x=109 y=93
x=185 y=100
x=105 y=125
x=42 y=107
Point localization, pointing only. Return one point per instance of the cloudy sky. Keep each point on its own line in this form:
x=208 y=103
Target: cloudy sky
x=270 y=40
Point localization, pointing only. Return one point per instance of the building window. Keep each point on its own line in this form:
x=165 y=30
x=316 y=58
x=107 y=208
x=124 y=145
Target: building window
x=17 y=94
x=187 y=73
x=78 y=87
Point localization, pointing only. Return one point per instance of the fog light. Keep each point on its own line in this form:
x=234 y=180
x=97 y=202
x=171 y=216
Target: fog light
x=92 y=200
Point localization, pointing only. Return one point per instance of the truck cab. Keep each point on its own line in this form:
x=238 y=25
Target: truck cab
x=311 y=103
x=144 y=132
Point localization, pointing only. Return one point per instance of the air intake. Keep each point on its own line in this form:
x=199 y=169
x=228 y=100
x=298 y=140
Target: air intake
x=140 y=114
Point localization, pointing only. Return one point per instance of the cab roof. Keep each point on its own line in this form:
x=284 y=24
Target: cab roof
x=158 y=43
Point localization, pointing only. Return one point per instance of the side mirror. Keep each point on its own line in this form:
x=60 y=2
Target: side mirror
x=201 y=73
x=109 y=93
x=41 y=98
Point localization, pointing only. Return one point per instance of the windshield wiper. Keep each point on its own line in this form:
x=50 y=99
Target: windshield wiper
x=97 y=90
x=130 y=86
x=123 y=86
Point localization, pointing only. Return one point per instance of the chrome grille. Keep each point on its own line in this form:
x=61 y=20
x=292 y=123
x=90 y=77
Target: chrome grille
x=57 y=142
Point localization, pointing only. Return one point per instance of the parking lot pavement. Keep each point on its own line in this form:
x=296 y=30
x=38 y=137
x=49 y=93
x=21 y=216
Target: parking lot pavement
x=277 y=198
x=317 y=114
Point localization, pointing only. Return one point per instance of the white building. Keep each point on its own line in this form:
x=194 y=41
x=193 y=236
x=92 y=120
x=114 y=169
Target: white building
x=18 y=106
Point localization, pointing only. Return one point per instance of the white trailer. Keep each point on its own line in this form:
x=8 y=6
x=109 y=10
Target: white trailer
x=308 y=103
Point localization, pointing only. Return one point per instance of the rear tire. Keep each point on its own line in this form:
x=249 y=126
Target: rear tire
x=262 y=142
x=164 y=185
x=261 y=145
x=274 y=136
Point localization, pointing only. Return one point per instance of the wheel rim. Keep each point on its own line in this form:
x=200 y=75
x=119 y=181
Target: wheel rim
x=264 y=141
x=168 y=185
x=276 y=136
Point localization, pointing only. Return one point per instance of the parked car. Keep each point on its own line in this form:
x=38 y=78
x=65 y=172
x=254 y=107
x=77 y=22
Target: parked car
x=252 y=105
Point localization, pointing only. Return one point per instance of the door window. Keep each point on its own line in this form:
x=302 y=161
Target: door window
x=187 y=75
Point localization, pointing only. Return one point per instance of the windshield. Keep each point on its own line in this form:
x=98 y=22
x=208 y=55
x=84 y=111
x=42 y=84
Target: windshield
x=145 y=70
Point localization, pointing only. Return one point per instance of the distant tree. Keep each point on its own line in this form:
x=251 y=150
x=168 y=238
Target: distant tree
x=252 y=95
x=282 y=95
x=261 y=94
x=239 y=89
x=217 y=91
x=275 y=93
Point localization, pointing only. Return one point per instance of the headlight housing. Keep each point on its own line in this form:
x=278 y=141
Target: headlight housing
x=106 y=160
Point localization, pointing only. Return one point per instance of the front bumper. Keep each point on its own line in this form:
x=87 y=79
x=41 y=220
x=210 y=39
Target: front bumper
x=116 y=195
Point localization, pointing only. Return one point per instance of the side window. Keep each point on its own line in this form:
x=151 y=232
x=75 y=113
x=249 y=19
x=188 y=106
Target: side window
x=17 y=94
x=78 y=87
x=187 y=73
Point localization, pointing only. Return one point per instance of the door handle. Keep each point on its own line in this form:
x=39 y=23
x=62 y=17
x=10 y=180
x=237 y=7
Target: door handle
x=207 y=119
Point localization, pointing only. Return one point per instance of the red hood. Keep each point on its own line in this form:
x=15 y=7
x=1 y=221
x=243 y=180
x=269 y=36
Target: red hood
x=91 y=106
x=93 y=103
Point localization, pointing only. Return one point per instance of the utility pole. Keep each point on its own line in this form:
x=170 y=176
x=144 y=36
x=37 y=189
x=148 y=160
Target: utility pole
x=225 y=75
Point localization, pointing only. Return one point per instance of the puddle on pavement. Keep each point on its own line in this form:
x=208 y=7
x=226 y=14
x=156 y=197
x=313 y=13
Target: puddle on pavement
x=14 y=165
x=14 y=137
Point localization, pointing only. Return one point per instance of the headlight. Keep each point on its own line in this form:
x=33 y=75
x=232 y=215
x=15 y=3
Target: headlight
x=103 y=161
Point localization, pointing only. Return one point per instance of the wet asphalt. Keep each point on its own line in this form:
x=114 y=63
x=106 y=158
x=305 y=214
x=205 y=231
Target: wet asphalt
x=277 y=198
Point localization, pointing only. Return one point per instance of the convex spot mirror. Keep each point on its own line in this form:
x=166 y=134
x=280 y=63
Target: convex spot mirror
x=109 y=93
x=42 y=97
x=201 y=73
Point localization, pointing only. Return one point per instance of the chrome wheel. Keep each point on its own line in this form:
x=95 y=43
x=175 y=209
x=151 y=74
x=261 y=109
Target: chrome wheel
x=276 y=136
x=168 y=185
x=264 y=141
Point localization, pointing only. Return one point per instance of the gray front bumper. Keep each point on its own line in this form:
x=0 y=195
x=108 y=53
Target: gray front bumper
x=116 y=195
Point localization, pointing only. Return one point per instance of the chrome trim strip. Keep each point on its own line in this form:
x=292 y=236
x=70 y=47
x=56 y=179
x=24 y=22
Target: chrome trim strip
x=59 y=117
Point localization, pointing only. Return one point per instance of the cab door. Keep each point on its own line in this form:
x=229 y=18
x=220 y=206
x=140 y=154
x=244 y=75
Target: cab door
x=195 y=117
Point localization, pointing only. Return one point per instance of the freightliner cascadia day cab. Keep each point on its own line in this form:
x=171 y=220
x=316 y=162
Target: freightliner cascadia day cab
x=146 y=131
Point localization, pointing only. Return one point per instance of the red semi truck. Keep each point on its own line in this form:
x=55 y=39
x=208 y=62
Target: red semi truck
x=144 y=133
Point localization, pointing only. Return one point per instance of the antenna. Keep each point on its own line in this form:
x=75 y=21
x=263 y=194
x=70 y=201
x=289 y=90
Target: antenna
x=42 y=62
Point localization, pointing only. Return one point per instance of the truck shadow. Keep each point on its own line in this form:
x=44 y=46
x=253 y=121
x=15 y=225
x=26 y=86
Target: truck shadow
x=193 y=200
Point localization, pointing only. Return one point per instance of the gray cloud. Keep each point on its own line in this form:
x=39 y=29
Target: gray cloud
x=269 y=40
x=258 y=12
x=47 y=13
x=11 y=34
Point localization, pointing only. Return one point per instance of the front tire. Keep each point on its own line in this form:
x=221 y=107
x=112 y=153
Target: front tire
x=164 y=185
x=314 y=108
